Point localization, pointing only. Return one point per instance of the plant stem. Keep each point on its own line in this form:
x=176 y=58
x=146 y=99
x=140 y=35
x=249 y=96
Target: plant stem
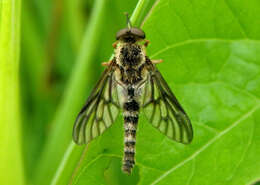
x=11 y=168
x=139 y=12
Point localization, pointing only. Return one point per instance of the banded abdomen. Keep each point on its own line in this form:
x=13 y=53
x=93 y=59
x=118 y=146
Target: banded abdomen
x=131 y=111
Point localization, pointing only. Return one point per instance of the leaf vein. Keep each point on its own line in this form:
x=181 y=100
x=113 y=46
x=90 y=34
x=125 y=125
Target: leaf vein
x=198 y=40
x=192 y=171
x=213 y=140
x=243 y=31
x=243 y=155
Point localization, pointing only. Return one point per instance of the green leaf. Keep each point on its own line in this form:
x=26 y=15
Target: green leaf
x=11 y=168
x=211 y=54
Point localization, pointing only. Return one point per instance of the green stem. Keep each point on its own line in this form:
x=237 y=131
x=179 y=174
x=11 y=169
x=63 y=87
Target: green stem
x=11 y=168
x=66 y=158
x=140 y=11
x=74 y=19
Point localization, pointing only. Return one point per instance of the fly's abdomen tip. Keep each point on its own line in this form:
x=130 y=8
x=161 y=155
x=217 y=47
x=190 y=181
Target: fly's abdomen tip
x=127 y=166
x=129 y=154
x=127 y=169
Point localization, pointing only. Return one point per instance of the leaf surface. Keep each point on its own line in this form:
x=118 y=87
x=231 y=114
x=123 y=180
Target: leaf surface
x=211 y=54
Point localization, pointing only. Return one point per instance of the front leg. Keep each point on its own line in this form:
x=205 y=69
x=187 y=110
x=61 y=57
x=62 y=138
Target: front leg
x=114 y=44
x=157 y=61
x=106 y=63
x=146 y=43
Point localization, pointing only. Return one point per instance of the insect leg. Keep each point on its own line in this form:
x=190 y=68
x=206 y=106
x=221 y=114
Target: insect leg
x=157 y=61
x=114 y=44
x=106 y=63
x=146 y=43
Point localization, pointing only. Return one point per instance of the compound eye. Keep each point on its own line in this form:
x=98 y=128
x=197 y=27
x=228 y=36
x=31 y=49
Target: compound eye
x=122 y=33
x=134 y=33
x=138 y=32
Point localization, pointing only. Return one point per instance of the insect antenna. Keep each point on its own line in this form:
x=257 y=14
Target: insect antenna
x=128 y=22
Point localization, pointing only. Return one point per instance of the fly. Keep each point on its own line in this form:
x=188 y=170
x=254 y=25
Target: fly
x=131 y=83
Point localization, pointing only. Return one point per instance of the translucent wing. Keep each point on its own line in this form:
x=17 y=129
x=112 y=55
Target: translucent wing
x=99 y=112
x=164 y=111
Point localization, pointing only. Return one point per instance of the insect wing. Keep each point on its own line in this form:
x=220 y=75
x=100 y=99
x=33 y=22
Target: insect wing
x=164 y=111
x=99 y=112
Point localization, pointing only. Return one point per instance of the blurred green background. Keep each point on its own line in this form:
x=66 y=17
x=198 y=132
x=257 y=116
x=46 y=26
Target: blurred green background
x=50 y=58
